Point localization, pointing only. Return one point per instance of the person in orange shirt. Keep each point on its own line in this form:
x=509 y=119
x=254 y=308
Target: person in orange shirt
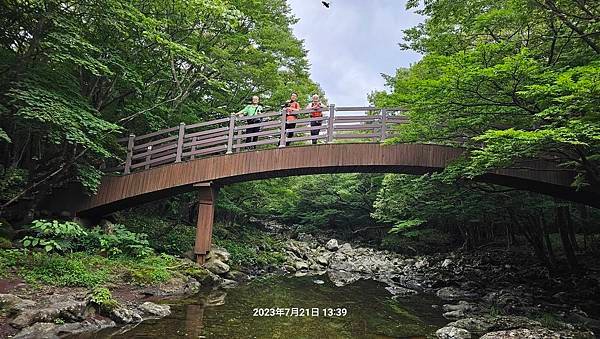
x=291 y=107
x=317 y=112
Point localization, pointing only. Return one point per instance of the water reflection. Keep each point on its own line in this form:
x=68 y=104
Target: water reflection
x=371 y=313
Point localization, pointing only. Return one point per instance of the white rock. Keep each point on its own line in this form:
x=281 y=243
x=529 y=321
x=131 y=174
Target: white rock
x=332 y=245
x=216 y=266
x=155 y=309
x=450 y=332
x=447 y=263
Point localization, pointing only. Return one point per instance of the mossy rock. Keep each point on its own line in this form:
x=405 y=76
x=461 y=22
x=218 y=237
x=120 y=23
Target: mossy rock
x=6 y=230
x=5 y=243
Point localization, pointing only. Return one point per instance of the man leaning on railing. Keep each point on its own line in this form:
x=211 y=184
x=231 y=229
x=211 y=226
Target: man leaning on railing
x=252 y=110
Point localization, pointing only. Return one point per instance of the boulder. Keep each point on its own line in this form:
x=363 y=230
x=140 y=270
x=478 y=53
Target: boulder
x=216 y=266
x=300 y=266
x=346 y=248
x=446 y=263
x=69 y=309
x=450 y=332
x=453 y=293
x=38 y=330
x=322 y=260
x=399 y=291
x=123 y=315
x=218 y=253
x=332 y=245
x=237 y=276
x=341 y=278
x=536 y=333
x=155 y=309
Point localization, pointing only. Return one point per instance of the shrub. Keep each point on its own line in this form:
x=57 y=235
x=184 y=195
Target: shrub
x=164 y=236
x=54 y=236
x=102 y=297
x=119 y=242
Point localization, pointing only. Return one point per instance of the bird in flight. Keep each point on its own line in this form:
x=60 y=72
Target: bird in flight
x=325 y=3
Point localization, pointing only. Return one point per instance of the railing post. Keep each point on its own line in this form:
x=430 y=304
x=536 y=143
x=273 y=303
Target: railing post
x=180 y=142
x=148 y=157
x=330 y=123
x=230 y=134
x=129 y=154
x=194 y=148
x=383 y=124
x=283 y=135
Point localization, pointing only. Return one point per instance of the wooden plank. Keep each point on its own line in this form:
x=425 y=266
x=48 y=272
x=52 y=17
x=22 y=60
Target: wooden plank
x=307 y=129
x=305 y=120
x=383 y=124
x=356 y=109
x=208 y=123
x=208 y=132
x=257 y=134
x=230 y=134
x=356 y=128
x=154 y=161
x=282 y=135
x=259 y=116
x=153 y=134
x=272 y=123
x=155 y=142
x=356 y=118
x=204 y=151
x=180 y=142
x=129 y=153
x=310 y=137
x=257 y=143
x=203 y=142
x=356 y=136
x=155 y=151
x=330 y=122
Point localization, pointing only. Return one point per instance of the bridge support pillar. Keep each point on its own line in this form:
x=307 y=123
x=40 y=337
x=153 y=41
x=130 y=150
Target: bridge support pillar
x=206 y=210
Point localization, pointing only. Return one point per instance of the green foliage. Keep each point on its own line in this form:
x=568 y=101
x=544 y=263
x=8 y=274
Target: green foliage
x=163 y=235
x=12 y=180
x=102 y=297
x=77 y=74
x=72 y=270
x=340 y=202
x=89 y=270
x=119 y=241
x=404 y=225
x=511 y=80
x=54 y=236
x=5 y=243
x=248 y=246
x=151 y=270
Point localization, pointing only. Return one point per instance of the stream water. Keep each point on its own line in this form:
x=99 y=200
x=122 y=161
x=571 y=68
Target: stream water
x=363 y=309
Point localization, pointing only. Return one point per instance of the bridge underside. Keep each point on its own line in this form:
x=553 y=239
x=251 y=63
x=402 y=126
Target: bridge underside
x=207 y=174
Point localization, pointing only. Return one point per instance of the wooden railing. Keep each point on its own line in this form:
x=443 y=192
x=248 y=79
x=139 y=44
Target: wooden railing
x=235 y=134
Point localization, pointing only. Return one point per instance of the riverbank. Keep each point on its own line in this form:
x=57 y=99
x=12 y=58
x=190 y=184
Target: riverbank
x=493 y=294
x=50 y=295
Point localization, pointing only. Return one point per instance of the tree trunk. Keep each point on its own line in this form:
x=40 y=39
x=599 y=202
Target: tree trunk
x=562 y=224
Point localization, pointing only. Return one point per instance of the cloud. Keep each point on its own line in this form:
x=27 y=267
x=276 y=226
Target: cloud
x=352 y=43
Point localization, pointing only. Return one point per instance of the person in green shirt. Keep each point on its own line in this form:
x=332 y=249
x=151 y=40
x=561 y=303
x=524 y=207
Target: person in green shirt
x=252 y=110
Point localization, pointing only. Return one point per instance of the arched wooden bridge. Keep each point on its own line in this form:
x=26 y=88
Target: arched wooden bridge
x=207 y=155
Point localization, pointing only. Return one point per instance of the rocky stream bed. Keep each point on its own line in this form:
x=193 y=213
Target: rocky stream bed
x=490 y=295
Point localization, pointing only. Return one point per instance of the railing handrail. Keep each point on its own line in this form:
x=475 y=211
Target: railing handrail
x=184 y=142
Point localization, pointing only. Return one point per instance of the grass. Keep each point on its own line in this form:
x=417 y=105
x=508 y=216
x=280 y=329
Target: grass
x=89 y=270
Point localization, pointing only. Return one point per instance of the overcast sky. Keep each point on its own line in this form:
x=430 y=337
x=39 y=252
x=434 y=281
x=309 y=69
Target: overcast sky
x=352 y=43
